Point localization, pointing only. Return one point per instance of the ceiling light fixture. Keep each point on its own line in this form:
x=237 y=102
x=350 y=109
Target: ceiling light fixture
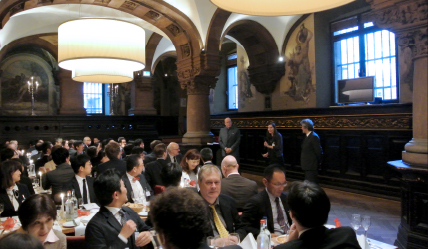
x=277 y=7
x=101 y=50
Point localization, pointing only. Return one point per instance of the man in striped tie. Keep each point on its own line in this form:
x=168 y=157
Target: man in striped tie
x=223 y=214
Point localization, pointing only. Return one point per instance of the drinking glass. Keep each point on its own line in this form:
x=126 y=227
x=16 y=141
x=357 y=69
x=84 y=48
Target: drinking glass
x=356 y=222
x=80 y=203
x=366 y=223
x=155 y=241
x=1 y=208
x=233 y=239
x=218 y=242
x=211 y=241
x=36 y=182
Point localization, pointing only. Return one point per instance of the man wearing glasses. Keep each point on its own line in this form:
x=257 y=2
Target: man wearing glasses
x=270 y=203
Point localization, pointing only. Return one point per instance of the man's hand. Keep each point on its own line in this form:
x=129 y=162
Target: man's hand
x=143 y=239
x=128 y=228
x=228 y=150
x=294 y=234
x=266 y=154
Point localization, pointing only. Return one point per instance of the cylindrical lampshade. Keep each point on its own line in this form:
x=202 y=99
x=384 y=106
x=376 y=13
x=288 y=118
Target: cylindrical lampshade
x=277 y=7
x=101 y=50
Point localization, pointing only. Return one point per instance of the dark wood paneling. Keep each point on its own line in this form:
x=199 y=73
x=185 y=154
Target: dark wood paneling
x=357 y=143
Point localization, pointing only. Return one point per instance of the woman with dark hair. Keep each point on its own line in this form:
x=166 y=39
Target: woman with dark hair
x=20 y=240
x=273 y=143
x=190 y=165
x=12 y=193
x=37 y=215
x=24 y=178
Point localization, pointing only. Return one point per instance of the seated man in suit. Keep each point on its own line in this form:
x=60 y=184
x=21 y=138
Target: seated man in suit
x=82 y=183
x=112 y=151
x=207 y=156
x=154 y=169
x=223 y=216
x=174 y=155
x=309 y=208
x=62 y=174
x=80 y=148
x=151 y=156
x=181 y=220
x=270 y=203
x=234 y=185
x=114 y=226
x=135 y=183
x=46 y=151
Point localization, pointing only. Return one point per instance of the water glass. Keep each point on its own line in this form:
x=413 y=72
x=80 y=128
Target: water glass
x=155 y=241
x=219 y=242
x=233 y=239
x=366 y=223
x=211 y=241
x=356 y=221
x=80 y=203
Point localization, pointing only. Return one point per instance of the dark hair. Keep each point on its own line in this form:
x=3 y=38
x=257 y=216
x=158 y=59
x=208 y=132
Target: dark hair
x=269 y=170
x=20 y=240
x=154 y=143
x=137 y=150
x=7 y=154
x=275 y=131
x=91 y=151
x=159 y=150
x=79 y=161
x=132 y=161
x=171 y=174
x=33 y=142
x=307 y=123
x=192 y=154
x=45 y=146
x=105 y=185
x=112 y=150
x=55 y=147
x=64 y=141
x=33 y=206
x=60 y=155
x=309 y=203
x=7 y=168
x=128 y=148
x=105 y=142
x=206 y=154
x=39 y=146
x=138 y=142
x=77 y=144
x=119 y=140
x=181 y=216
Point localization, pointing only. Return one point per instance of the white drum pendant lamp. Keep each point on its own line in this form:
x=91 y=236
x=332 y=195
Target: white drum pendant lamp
x=277 y=7
x=101 y=50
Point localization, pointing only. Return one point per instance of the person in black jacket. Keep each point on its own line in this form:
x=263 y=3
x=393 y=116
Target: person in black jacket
x=12 y=193
x=310 y=158
x=273 y=143
x=112 y=151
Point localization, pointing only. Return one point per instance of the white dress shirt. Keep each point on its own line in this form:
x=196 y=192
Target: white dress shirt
x=117 y=215
x=277 y=228
x=138 y=190
x=80 y=182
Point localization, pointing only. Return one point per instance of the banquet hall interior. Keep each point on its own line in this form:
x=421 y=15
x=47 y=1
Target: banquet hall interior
x=201 y=64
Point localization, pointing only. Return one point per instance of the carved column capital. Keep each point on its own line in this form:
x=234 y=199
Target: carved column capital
x=416 y=40
x=200 y=85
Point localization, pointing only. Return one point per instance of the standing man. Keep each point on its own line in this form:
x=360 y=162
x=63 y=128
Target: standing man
x=87 y=142
x=311 y=151
x=229 y=139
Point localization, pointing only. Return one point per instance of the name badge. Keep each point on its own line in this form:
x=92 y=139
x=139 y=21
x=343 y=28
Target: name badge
x=147 y=193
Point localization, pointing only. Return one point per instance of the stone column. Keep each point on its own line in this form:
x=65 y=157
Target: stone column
x=198 y=110
x=141 y=96
x=71 y=95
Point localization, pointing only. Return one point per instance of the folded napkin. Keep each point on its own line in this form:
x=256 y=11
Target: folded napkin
x=249 y=242
x=363 y=242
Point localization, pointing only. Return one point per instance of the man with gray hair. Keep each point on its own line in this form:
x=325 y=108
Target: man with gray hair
x=311 y=154
x=223 y=214
x=173 y=151
x=229 y=139
x=234 y=185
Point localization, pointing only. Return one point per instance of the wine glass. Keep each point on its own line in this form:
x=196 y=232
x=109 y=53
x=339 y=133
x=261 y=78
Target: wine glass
x=1 y=208
x=356 y=222
x=366 y=223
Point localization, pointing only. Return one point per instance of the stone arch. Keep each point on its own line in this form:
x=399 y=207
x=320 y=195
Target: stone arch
x=151 y=49
x=265 y=70
x=31 y=40
x=163 y=56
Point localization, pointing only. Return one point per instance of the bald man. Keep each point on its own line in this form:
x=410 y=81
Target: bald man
x=229 y=139
x=234 y=185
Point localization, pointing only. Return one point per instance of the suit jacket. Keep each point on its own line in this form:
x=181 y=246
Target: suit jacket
x=56 y=178
x=149 y=158
x=239 y=188
x=103 y=229
x=9 y=210
x=40 y=162
x=153 y=171
x=230 y=216
x=311 y=152
x=259 y=206
x=73 y=184
x=229 y=138
x=114 y=163
x=323 y=238
x=178 y=157
x=27 y=182
x=143 y=183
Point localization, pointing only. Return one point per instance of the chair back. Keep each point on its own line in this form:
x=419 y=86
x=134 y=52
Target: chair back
x=159 y=189
x=76 y=242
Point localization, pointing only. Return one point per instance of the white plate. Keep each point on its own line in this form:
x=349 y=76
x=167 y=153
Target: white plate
x=68 y=224
x=329 y=226
x=143 y=213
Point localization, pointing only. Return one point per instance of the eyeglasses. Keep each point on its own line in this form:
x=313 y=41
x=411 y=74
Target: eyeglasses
x=278 y=185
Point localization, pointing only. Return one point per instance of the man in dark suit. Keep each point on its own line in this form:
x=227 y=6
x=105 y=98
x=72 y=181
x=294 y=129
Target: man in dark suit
x=80 y=149
x=151 y=156
x=180 y=216
x=229 y=139
x=154 y=169
x=234 y=185
x=62 y=174
x=309 y=208
x=82 y=183
x=46 y=151
x=112 y=151
x=174 y=155
x=135 y=182
x=310 y=158
x=223 y=215
x=114 y=226
x=270 y=203
x=207 y=156
x=86 y=143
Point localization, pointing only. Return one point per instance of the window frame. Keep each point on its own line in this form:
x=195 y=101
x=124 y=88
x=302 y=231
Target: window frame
x=103 y=100
x=229 y=64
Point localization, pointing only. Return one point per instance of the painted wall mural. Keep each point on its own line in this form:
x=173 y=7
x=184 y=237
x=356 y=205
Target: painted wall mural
x=16 y=71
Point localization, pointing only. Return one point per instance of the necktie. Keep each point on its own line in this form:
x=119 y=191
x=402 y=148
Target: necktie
x=218 y=224
x=175 y=160
x=136 y=179
x=123 y=218
x=281 y=219
x=85 y=192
